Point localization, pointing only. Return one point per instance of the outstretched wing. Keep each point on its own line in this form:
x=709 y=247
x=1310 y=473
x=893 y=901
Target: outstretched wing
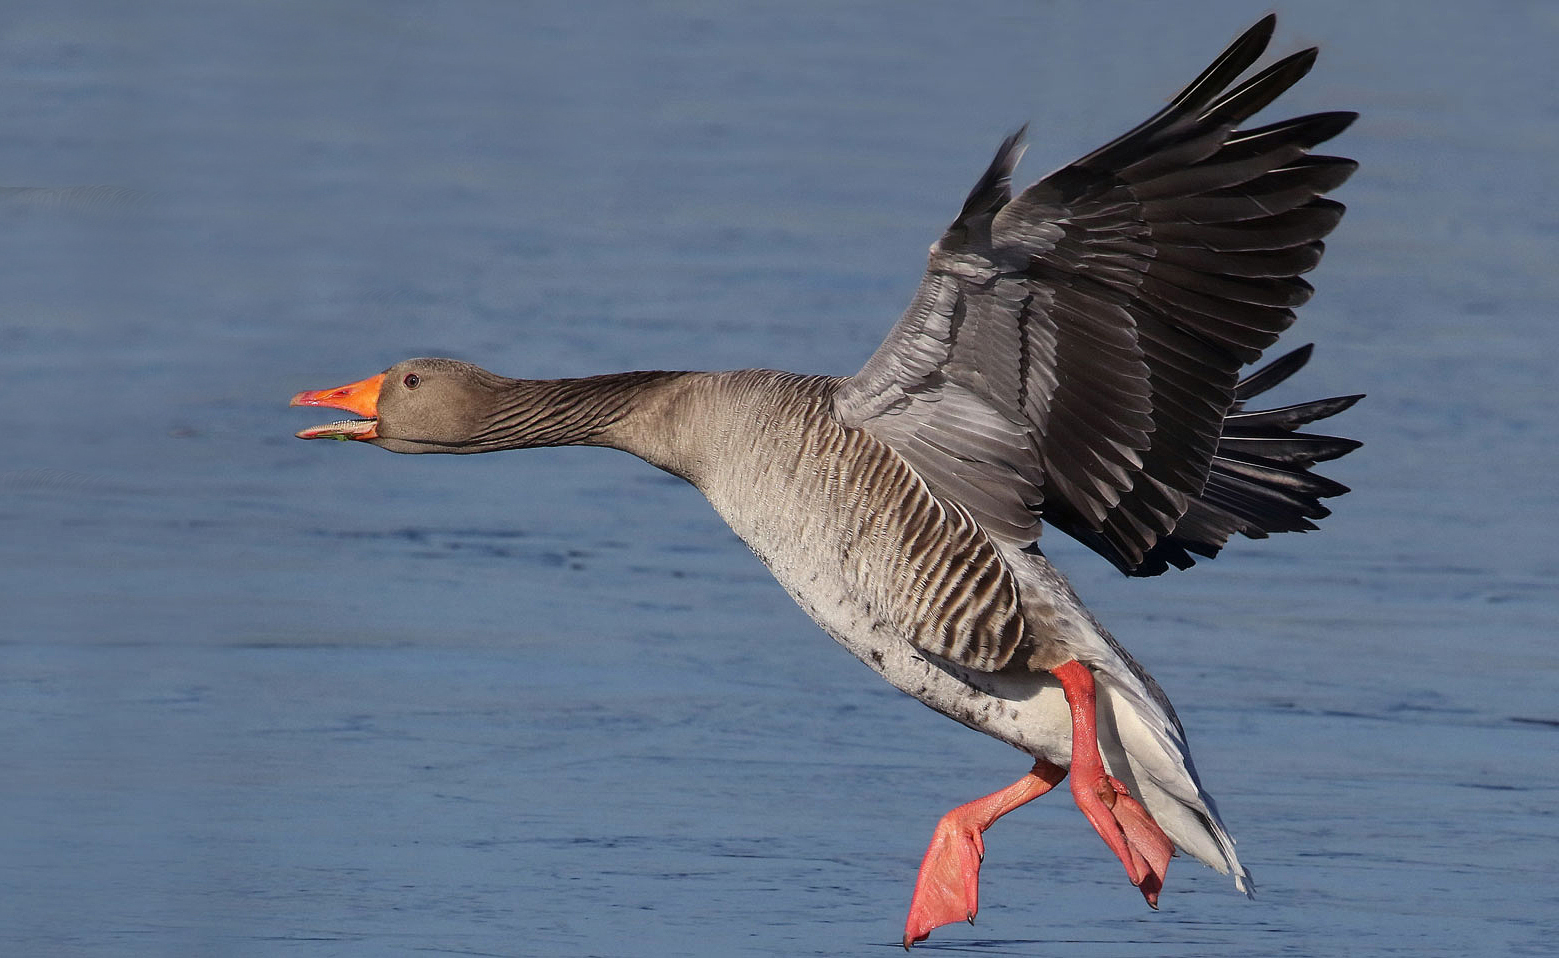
x=1071 y=354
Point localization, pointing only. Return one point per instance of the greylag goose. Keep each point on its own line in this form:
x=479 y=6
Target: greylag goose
x=1072 y=358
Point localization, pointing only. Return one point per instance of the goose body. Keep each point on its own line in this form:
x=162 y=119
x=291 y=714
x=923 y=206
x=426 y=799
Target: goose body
x=1071 y=359
x=894 y=575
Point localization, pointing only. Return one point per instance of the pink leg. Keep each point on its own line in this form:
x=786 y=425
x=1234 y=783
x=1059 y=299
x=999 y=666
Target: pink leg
x=948 y=888
x=1125 y=825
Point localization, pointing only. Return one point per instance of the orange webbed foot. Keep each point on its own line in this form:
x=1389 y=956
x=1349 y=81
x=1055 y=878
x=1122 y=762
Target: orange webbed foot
x=1129 y=830
x=1147 y=842
x=948 y=887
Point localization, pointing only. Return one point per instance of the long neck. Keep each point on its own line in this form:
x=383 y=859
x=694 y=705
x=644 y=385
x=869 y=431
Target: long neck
x=595 y=411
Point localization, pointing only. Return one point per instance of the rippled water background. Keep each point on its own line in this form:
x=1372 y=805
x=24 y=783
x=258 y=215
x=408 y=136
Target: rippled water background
x=262 y=697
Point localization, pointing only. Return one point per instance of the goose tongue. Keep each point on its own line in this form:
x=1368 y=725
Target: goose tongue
x=361 y=397
x=344 y=429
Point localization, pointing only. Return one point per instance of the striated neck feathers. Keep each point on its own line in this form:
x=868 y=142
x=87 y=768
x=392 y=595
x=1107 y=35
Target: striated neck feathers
x=593 y=411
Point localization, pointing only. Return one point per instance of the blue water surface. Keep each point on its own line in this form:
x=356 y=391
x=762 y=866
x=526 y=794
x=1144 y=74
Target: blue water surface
x=262 y=697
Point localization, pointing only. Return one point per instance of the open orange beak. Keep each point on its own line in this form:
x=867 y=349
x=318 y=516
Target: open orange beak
x=359 y=397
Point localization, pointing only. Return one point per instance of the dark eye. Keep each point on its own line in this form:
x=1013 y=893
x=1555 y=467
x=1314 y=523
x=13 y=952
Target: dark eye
x=412 y=380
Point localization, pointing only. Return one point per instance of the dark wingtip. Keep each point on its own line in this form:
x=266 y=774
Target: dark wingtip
x=1258 y=36
x=1307 y=57
x=1273 y=373
x=1346 y=402
x=994 y=188
x=1233 y=61
x=1253 y=42
x=1335 y=447
x=1250 y=97
x=1342 y=119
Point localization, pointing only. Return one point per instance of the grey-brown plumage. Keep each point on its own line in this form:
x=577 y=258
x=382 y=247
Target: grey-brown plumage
x=1075 y=350
x=1071 y=358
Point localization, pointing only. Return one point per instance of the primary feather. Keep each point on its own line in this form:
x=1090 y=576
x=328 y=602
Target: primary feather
x=1073 y=353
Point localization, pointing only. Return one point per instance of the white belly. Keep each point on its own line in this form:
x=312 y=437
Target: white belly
x=1025 y=709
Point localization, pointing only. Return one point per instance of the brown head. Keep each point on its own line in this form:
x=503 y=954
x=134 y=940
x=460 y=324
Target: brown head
x=419 y=405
